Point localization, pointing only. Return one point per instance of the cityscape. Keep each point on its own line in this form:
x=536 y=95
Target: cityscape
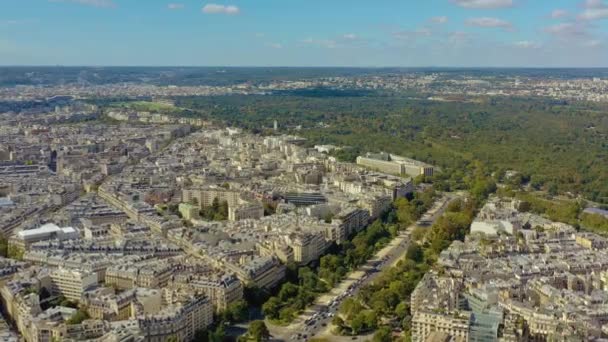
x=330 y=194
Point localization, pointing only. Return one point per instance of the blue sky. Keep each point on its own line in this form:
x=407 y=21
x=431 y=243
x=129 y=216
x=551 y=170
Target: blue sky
x=510 y=33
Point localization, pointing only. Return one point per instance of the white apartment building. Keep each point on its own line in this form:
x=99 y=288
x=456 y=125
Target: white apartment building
x=72 y=283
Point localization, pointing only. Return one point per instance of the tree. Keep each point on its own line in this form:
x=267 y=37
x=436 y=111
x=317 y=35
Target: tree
x=418 y=233
x=402 y=309
x=237 y=312
x=415 y=252
x=271 y=308
x=357 y=324
x=455 y=205
x=78 y=317
x=288 y=291
x=3 y=246
x=524 y=206
x=258 y=331
x=337 y=321
x=382 y=335
x=255 y=296
x=215 y=204
x=14 y=252
x=201 y=335
x=269 y=208
x=287 y=314
x=350 y=307
x=218 y=335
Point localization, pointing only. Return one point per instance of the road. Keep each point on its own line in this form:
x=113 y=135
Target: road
x=316 y=319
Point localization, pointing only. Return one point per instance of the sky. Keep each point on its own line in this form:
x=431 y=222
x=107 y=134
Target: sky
x=359 y=33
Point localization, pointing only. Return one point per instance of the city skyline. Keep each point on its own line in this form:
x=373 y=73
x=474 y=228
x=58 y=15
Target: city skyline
x=441 y=33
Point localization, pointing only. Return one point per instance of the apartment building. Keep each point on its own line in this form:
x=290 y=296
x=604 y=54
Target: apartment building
x=221 y=291
x=455 y=325
x=395 y=165
x=147 y=275
x=179 y=321
x=111 y=307
x=72 y=283
x=264 y=271
x=45 y=232
x=307 y=247
x=245 y=211
x=205 y=196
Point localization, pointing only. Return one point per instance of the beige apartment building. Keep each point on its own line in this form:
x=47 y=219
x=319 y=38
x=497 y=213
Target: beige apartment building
x=72 y=283
x=178 y=321
x=455 y=325
x=245 y=211
x=205 y=197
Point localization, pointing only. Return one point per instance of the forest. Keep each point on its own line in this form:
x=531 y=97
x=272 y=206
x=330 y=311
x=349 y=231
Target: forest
x=554 y=146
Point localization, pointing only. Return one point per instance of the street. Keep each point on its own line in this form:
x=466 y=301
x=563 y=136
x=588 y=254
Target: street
x=316 y=319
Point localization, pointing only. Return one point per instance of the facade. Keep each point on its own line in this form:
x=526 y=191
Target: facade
x=425 y=323
x=351 y=221
x=131 y=276
x=205 y=197
x=263 y=272
x=376 y=205
x=308 y=247
x=222 y=291
x=189 y=211
x=179 y=321
x=303 y=199
x=245 y=211
x=382 y=165
x=111 y=307
x=395 y=165
x=48 y=231
x=72 y=283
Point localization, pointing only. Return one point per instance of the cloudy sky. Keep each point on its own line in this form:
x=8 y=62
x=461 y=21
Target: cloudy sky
x=535 y=33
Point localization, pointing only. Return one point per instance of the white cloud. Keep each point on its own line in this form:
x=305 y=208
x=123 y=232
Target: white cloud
x=484 y=4
x=94 y=3
x=594 y=10
x=350 y=36
x=439 y=20
x=566 y=30
x=594 y=14
x=175 y=6
x=220 y=9
x=458 y=37
x=526 y=44
x=259 y=34
x=559 y=13
x=421 y=32
x=591 y=4
x=593 y=43
x=326 y=43
x=489 y=22
x=275 y=45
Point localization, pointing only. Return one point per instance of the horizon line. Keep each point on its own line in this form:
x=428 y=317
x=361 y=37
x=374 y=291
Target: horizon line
x=293 y=66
